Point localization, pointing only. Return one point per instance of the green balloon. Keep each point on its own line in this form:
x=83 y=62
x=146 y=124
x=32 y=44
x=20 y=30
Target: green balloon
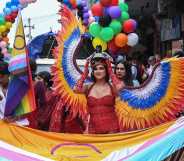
x=123 y=6
x=106 y=34
x=94 y=29
x=124 y=16
x=116 y=26
x=2 y=20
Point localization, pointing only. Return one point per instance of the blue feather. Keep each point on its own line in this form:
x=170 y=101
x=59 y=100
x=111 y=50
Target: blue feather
x=154 y=97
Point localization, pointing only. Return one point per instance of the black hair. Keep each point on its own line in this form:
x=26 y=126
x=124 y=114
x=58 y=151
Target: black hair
x=179 y=54
x=128 y=76
x=46 y=76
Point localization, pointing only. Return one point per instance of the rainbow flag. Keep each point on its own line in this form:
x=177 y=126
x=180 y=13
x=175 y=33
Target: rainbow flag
x=20 y=97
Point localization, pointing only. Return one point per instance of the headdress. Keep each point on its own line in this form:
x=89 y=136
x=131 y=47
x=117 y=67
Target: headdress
x=99 y=58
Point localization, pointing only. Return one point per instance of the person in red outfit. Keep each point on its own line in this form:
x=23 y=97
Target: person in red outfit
x=100 y=95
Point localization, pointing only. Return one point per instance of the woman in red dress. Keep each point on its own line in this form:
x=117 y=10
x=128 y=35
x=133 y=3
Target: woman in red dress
x=100 y=95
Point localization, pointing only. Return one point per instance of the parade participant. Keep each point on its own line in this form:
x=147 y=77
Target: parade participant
x=4 y=79
x=40 y=97
x=58 y=118
x=123 y=72
x=100 y=95
x=151 y=62
x=55 y=117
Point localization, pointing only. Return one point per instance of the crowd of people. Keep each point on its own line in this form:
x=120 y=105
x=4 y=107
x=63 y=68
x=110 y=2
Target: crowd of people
x=107 y=77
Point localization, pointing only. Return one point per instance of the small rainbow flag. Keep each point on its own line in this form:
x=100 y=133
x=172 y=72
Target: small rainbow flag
x=20 y=97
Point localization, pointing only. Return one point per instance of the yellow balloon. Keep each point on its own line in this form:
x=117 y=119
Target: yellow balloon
x=2 y=28
x=98 y=41
x=8 y=25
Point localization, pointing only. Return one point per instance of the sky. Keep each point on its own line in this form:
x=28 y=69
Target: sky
x=43 y=14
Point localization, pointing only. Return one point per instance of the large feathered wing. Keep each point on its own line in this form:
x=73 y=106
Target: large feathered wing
x=65 y=74
x=157 y=101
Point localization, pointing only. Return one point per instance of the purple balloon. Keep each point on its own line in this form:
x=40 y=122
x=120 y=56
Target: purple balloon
x=85 y=9
x=114 y=12
x=86 y=15
x=83 y=3
x=134 y=23
x=85 y=22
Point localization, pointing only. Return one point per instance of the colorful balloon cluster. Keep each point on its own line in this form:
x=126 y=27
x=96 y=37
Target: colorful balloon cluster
x=82 y=9
x=7 y=18
x=112 y=28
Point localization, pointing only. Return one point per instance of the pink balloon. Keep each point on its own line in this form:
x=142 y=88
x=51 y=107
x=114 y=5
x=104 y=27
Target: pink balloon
x=90 y=13
x=91 y=19
x=22 y=2
x=3 y=44
x=4 y=51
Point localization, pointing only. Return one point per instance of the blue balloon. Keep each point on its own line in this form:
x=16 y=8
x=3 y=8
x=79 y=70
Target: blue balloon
x=7 y=11
x=96 y=18
x=8 y=5
x=15 y=2
x=78 y=2
x=1 y=15
x=14 y=8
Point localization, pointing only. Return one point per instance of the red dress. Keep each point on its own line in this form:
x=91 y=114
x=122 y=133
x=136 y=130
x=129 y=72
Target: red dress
x=103 y=119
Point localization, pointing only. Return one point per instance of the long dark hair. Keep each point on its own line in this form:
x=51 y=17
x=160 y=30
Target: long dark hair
x=128 y=76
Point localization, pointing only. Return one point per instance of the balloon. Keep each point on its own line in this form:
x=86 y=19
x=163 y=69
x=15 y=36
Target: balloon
x=125 y=49
x=22 y=2
x=124 y=16
x=14 y=8
x=3 y=44
x=96 y=18
x=97 y=41
x=116 y=26
x=112 y=48
x=121 y=40
x=2 y=28
x=91 y=19
x=123 y=6
x=15 y=2
x=2 y=20
x=85 y=22
x=114 y=3
x=83 y=3
x=132 y=39
x=129 y=26
x=97 y=9
x=114 y=12
x=4 y=50
x=105 y=3
x=7 y=11
x=78 y=2
x=85 y=9
x=104 y=20
x=94 y=29
x=106 y=34
x=21 y=6
x=90 y=13
x=8 y=25
x=14 y=14
x=86 y=15
x=8 y=4
x=8 y=18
